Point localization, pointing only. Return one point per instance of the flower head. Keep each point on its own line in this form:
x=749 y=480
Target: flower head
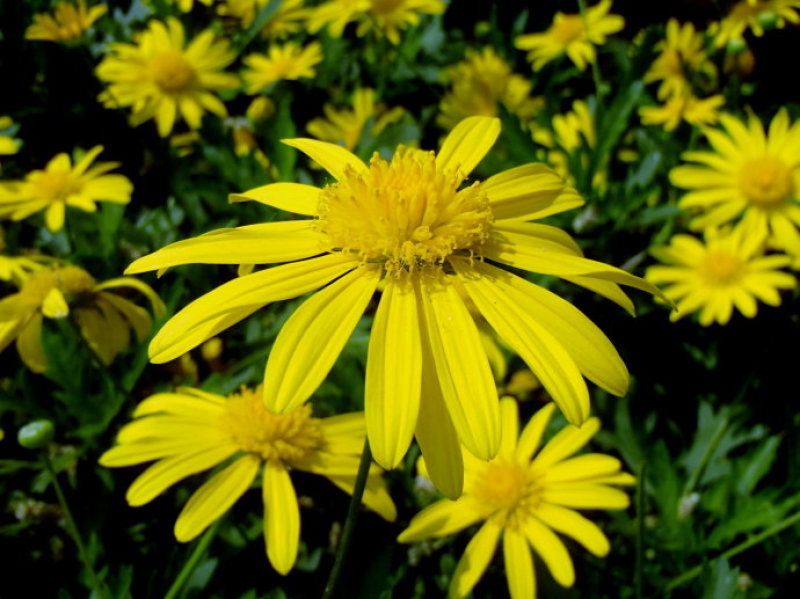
x=572 y=35
x=695 y=111
x=570 y=131
x=161 y=77
x=104 y=319
x=748 y=14
x=191 y=430
x=287 y=19
x=8 y=143
x=526 y=497
x=413 y=223
x=61 y=184
x=68 y=23
x=752 y=173
x=288 y=61
x=726 y=271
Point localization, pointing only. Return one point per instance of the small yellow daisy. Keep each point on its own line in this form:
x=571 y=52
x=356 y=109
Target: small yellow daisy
x=684 y=107
x=525 y=497
x=572 y=35
x=8 y=143
x=288 y=19
x=569 y=132
x=287 y=61
x=161 y=78
x=68 y=23
x=750 y=173
x=63 y=184
x=726 y=271
x=190 y=430
x=748 y=14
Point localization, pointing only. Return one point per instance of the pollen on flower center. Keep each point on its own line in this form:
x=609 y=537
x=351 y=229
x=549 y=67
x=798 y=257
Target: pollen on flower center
x=505 y=486
x=406 y=214
x=287 y=437
x=568 y=29
x=766 y=181
x=172 y=72
x=721 y=268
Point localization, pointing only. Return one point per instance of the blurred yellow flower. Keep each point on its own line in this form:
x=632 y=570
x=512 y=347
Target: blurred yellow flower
x=386 y=17
x=410 y=222
x=682 y=56
x=525 y=496
x=481 y=82
x=61 y=184
x=572 y=35
x=187 y=5
x=751 y=14
x=8 y=143
x=162 y=80
x=17 y=268
x=694 y=111
x=191 y=430
x=750 y=173
x=345 y=126
x=287 y=61
x=286 y=20
x=726 y=271
x=68 y=23
x=569 y=132
x=104 y=319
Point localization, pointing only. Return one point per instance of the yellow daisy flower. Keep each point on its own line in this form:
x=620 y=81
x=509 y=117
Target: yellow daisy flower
x=481 y=82
x=187 y=5
x=749 y=173
x=569 y=132
x=286 y=20
x=68 y=23
x=345 y=126
x=526 y=497
x=8 y=144
x=410 y=222
x=63 y=184
x=161 y=79
x=726 y=271
x=17 y=268
x=104 y=319
x=694 y=111
x=572 y=35
x=682 y=55
x=191 y=430
x=287 y=61
x=748 y=14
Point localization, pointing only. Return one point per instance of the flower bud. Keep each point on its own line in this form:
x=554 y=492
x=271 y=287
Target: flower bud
x=36 y=434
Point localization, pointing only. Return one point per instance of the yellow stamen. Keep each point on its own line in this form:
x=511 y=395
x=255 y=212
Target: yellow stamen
x=55 y=186
x=507 y=490
x=172 y=72
x=720 y=269
x=568 y=29
x=766 y=181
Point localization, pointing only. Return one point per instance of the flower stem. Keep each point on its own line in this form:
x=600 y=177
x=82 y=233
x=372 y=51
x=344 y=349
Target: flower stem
x=97 y=585
x=190 y=565
x=598 y=82
x=735 y=550
x=350 y=521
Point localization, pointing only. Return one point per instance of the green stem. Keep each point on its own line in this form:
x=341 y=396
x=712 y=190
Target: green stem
x=638 y=574
x=190 y=565
x=595 y=69
x=97 y=585
x=350 y=521
x=701 y=465
x=735 y=550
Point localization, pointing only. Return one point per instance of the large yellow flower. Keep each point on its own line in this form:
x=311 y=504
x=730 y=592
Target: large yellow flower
x=748 y=14
x=572 y=35
x=191 y=430
x=525 y=496
x=67 y=23
x=288 y=61
x=412 y=223
x=750 y=173
x=104 y=319
x=726 y=271
x=160 y=79
x=61 y=184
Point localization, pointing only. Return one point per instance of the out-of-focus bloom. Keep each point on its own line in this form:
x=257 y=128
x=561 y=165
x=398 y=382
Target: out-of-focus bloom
x=283 y=61
x=191 y=430
x=572 y=35
x=8 y=143
x=569 y=132
x=682 y=56
x=525 y=497
x=345 y=126
x=287 y=20
x=386 y=17
x=694 y=111
x=188 y=5
x=410 y=222
x=481 y=82
x=244 y=140
x=162 y=80
x=61 y=184
x=68 y=23
x=104 y=319
x=17 y=268
x=750 y=173
x=752 y=14
x=726 y=271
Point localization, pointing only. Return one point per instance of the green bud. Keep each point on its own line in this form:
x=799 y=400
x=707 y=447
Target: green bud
x=767 y=19
x=36 y=434
x=736 y=46
x=482 y=28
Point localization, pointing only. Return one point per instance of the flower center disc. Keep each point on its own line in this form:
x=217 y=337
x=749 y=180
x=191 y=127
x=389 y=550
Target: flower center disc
x=569 y=29
x=56 y=186
x=721 y=269
x=766 y=181
x=172 y=72
x=405 y=214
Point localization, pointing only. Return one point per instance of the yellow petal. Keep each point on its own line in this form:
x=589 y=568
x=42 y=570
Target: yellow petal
x=375 y=496
x=291 y=197
x=584 y=467
x=440 y=519
x=394 y=370
x=551 y=550
x=147 y=450
x=531 y=435
x=312 y=338
x=54 y=217
x=519 y=565
x=543 y=237
x=572 y=524
x=181 y=404
x=509 y=426
x=334 y=159
x=476 y=558
x=29 y=345
x=565 y=443
x=525 y=191
x=587 y=496
x=159 y=309
x=137 y=317
x=607 y=289
x=467 y=144
x=54 y=305
x=281 y=517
